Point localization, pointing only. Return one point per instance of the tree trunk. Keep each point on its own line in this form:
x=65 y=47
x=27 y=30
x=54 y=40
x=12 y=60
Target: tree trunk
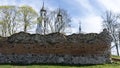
x=25 y=28
x=117 y=49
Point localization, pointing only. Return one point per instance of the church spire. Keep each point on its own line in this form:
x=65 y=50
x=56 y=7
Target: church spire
x=59 y=16
x=43 y=8
x=80 y=27
x=59 y=13
x=42 y=23
x=58 y=21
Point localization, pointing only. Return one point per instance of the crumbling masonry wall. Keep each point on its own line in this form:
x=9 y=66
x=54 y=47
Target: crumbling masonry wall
x=56 y=48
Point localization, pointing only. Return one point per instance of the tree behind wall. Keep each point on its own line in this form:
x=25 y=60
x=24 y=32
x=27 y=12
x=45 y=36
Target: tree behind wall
x=27 y=15
x=8 y=23
x=52 y=20
x=110 y=22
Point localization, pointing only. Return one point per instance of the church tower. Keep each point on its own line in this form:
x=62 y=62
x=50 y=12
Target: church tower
x=58 y=21
x=43 y=11
x=41 y=26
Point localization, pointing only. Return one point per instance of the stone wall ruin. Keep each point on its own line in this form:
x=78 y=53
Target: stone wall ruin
x=56 y=48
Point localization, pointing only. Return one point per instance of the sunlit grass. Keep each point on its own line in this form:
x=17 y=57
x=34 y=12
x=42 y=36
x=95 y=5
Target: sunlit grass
x=114 y=56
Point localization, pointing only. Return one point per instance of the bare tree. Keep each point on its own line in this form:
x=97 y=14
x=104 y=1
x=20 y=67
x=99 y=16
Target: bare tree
x=110 y=22
x=58 y=20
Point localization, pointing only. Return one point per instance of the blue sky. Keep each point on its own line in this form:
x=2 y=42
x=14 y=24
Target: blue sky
x=87 y=11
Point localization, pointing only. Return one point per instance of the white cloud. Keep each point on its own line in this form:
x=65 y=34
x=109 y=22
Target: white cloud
x=3 y=2
x=112 y=5
x=92 y=24
x=75 y=22
x=86 y=4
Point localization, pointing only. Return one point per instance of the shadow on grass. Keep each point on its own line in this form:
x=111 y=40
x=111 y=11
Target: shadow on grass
x=49 y=64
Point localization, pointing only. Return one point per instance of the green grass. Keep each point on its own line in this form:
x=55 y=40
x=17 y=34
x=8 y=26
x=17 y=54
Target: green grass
x=113 y=65
x=113 y=56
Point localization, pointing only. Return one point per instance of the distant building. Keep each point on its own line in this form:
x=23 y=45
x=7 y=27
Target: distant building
x=79 y=27
x=58 y=22
x=41 y=25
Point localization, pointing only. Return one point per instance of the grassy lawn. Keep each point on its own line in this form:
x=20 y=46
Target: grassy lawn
x=116 y=56
x=113 y=65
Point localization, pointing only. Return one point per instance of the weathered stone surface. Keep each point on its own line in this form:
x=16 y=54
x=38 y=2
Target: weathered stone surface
x=56 y=38
x=20 y=38
x=37 y=38
x=25 y=48
x=59 y=59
